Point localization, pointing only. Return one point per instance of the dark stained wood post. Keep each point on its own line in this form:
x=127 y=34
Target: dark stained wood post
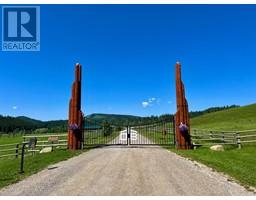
x=182 y=115
x=76 y=117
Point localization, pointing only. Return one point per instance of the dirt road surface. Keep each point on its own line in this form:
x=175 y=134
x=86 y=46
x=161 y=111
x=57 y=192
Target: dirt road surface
x=124 y=170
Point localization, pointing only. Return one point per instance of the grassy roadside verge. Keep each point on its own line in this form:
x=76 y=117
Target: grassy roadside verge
x=237 y=163
x=9 y=168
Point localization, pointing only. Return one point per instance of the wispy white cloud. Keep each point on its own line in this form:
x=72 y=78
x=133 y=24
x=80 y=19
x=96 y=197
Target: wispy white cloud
x=150 y=102
x=145 y=104
x=14 y=107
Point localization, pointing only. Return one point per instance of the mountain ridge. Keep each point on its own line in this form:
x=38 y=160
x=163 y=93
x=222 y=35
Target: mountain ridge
x=12 y=124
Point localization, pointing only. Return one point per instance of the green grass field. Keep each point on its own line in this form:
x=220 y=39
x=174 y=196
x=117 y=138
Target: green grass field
x=237 y=163
x=11 y=139
x=9 y=167
x=242 y=118
x=19 y=138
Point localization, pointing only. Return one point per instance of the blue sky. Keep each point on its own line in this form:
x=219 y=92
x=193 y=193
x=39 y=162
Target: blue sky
x=128 y=53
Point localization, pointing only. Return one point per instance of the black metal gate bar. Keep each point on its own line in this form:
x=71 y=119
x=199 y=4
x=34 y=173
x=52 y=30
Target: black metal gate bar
x=103 y=134
x=157 y=133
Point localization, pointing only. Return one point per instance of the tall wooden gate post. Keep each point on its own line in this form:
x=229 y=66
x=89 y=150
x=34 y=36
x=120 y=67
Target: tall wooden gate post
x=76 y=117
x=182 y=115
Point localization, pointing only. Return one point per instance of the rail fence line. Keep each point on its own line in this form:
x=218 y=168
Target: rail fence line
x=7 y=150
x=202 y=137
x=199 y=137
x=42 y=141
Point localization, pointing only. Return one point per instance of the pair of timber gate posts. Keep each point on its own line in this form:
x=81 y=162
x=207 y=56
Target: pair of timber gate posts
x=76 y=116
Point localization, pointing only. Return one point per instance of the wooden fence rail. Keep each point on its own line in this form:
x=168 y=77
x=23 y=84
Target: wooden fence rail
x=209 y=137
x=9 y=150
x=14 y=149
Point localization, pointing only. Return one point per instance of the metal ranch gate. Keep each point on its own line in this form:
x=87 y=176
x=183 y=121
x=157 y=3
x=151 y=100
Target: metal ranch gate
x=156 y=133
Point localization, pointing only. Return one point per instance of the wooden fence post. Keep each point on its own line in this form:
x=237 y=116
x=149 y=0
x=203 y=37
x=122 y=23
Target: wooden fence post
x=194 y=135
x=238 y=140
x=211 y=134
x=17 y=150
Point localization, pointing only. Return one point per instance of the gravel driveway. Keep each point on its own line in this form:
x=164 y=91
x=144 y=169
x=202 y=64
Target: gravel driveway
x=126 y=170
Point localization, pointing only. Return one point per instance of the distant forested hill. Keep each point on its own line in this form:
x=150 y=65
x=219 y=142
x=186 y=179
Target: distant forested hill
x=211 y=110
x=237 y=118
x=113 y=118
x=27 y=125
x=12 y=124
x=123 y=120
